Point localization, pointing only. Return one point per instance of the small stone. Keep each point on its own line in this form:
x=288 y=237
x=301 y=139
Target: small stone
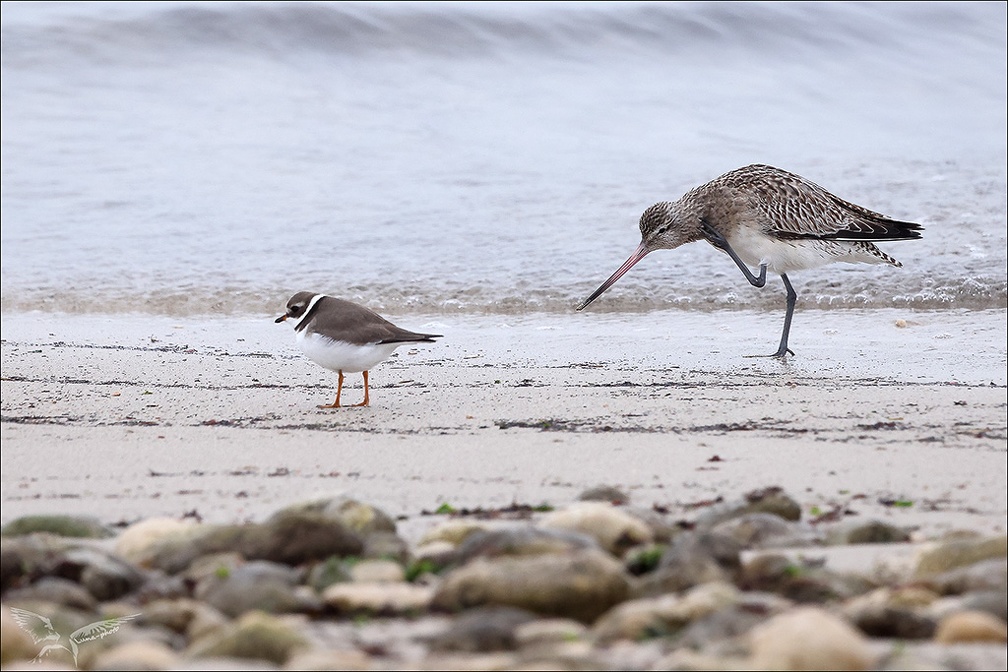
x=490 y=628
x=766 y=500
x=580 y=584
x=692 y=559
x=605 y=493
x=257 y=585
x=809 y=638
x=255 y=635
x=363 y=519
x=971 y=626
x=865 y=532
x=137 y=655
x=386 y=546
x=546 y=631
x=661 y=616
x=350 y=659
x=15 y=643
x=614 y=529
x=380 y=599
x=377 y=571
x=63 y=526
x=55 y=590
x=452 y=531
x=137 y=543
x=956 y=554
x=520 y=541
x=758 y=530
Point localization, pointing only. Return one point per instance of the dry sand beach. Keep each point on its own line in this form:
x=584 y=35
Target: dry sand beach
x=127 y=418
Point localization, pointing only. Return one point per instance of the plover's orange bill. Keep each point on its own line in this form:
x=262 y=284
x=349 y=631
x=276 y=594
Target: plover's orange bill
x=770 y=218
x=345 y=337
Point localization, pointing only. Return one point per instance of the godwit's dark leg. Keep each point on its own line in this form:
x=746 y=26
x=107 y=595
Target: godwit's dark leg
x=366 y=401
x=339 y=390
x=715 y=238
x=783 y=350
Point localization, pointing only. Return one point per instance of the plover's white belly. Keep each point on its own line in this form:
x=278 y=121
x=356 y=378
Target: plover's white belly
x=785 y=256
x=343 y=356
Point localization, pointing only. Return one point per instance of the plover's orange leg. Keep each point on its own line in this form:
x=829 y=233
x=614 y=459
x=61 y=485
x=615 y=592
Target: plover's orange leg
x=339 y=390
x=366 y=401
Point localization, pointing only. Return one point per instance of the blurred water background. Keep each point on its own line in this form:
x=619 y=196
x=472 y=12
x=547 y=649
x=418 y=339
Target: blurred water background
x=186 y=159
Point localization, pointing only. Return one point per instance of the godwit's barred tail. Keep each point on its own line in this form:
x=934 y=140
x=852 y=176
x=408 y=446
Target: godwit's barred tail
x=763 y=216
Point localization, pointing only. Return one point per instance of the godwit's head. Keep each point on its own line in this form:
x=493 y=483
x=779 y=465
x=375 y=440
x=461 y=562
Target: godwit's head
x=665 y=226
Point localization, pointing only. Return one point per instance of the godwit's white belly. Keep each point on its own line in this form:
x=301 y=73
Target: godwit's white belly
x=784 y=256
x=343 y=356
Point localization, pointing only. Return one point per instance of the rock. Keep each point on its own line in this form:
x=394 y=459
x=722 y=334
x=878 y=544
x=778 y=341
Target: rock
x=289 y=537
x=960 y=553
x=350 y=659
x=258 y=585
x=256 y=636
x=520 y=541
x=985 y=575
x=549 y=631
x=138 y=542
x=643 y=559
x=605 y=493
x=800 y=581
x=378 y=599
x=361 y=518
x=489 y=628
x=452 y=531
x=771 y=500
x=690 y=560
x=809 y=638
x=724 y=624
x=174 y=614
x=895 y=613
x=386 y=546
x=325 y=574
x=971 y=626
x=760 y=530
x=105 y=576
x=24 y=559
x=661 y=616
x=137 y=655
x=377 y=571
x=615 y=530
x=15 y=643
x=62 y=526
x=865 y=532
x=54 y=590
x=580 y=585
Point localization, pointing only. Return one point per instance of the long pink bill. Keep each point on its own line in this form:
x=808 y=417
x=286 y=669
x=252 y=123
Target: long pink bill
x=638 y=254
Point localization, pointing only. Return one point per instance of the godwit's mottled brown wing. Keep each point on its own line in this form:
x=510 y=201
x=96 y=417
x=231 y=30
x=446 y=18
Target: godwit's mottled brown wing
x=796 y=207
x=360 y=325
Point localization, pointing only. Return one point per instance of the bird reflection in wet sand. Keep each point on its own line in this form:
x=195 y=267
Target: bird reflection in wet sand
x=770 y=218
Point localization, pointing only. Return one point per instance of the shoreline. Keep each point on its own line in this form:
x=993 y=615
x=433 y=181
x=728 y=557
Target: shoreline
x=144 y=417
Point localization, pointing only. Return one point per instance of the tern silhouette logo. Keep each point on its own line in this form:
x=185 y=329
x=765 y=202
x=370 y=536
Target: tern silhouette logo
x=42 y=631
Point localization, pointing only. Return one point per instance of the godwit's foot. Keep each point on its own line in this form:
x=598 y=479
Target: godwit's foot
x=330 y=406
x=782 y=356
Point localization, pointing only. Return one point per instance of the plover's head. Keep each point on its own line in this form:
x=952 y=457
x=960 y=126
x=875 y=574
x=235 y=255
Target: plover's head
x=297 y=306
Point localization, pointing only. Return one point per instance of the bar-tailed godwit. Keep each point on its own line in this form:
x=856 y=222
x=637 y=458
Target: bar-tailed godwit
x=770 y=218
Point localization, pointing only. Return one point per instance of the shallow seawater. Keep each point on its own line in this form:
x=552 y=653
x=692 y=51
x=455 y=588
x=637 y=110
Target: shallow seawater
x=456 y=159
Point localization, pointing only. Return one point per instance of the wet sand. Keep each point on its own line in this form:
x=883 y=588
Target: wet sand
x=890 y=414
